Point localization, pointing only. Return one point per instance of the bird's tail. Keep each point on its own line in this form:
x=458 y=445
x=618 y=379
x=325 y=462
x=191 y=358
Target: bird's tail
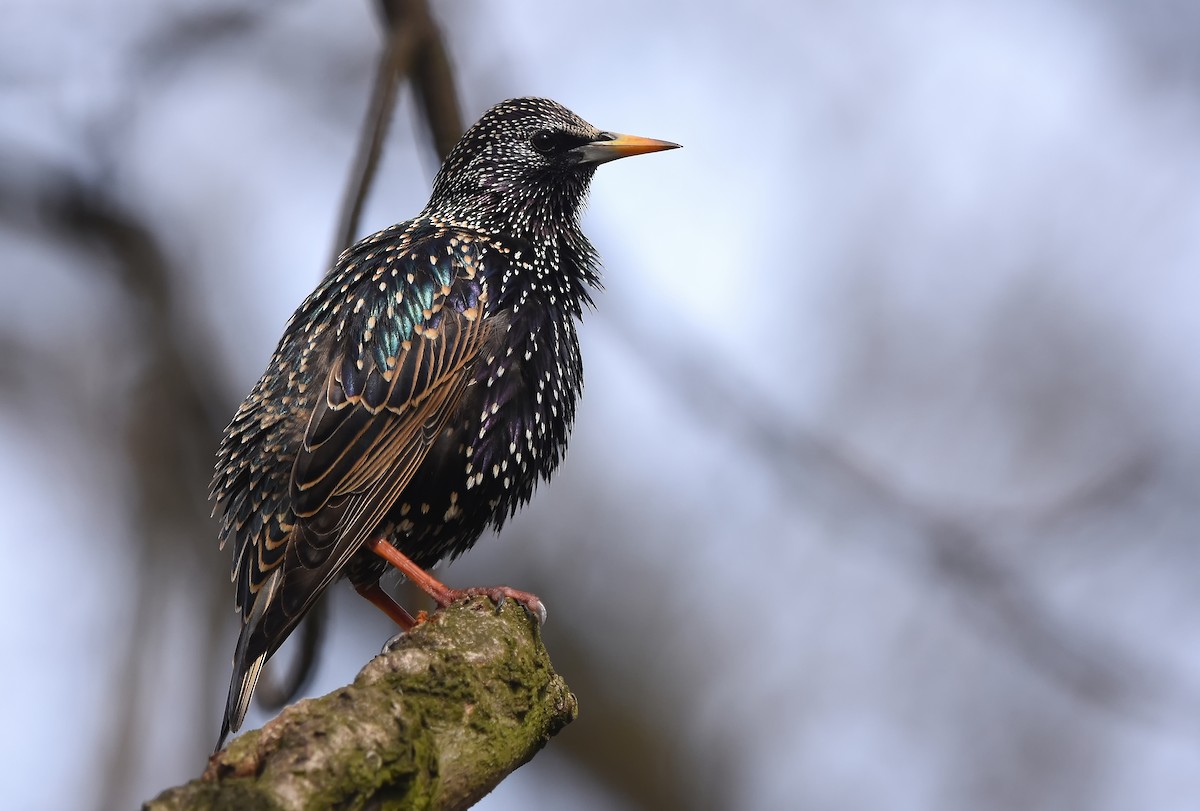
x=241 y=688
x=274 y=691
x=248 y=664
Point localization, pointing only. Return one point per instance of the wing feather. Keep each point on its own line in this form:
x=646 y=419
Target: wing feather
x=387 y=375
x=384 y=400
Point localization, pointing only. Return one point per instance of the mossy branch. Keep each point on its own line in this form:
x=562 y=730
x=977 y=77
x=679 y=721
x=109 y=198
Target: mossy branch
x=436 y=723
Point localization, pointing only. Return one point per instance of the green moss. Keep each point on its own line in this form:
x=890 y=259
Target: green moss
x=461 y=702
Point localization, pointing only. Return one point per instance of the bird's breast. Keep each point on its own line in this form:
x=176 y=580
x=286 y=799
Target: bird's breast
x=521 y=405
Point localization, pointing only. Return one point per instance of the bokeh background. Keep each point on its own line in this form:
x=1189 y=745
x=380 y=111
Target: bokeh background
x=885 y=489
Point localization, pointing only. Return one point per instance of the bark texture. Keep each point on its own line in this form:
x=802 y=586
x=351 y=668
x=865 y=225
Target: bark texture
x=435 y=723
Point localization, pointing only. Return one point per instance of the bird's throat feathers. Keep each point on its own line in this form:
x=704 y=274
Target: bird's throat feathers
x=530 y=206
x=546 y=219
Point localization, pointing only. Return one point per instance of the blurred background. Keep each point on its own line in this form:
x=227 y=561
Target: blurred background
x=884 y=492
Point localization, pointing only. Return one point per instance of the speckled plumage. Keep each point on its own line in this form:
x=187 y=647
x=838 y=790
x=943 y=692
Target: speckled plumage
x=427 y=384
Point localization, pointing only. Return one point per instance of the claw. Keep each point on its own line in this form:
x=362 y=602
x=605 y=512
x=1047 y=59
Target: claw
x=499 y=594
x=538 y=609
x=393 y=643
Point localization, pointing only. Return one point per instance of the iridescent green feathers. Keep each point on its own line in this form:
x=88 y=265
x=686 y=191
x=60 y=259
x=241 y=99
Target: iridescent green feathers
x=386 y=339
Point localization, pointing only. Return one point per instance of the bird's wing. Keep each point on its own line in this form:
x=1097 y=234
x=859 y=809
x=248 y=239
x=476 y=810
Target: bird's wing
x=396 y=373
x=397 y=366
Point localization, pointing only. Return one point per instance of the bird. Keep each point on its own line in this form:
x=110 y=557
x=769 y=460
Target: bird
x=422 y=390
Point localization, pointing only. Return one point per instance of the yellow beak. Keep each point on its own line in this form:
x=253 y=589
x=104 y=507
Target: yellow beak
x=613 y=145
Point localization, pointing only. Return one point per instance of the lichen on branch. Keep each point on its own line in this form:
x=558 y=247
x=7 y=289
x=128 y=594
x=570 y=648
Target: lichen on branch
x=435 y=723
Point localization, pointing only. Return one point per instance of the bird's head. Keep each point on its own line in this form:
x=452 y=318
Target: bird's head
x=527 y=164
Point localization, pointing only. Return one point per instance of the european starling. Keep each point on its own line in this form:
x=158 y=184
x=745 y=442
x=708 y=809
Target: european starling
x=423 y=389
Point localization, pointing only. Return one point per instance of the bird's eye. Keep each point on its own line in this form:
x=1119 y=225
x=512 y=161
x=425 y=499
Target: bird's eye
x=545 y=141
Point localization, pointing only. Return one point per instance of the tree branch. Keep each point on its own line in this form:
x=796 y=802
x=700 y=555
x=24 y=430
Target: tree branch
x=437 y=722
x=413 y=48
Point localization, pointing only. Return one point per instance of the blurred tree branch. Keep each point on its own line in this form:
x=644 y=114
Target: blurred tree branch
x=436 y=722
x=414 y=48
x=167 y=426
x=1102 y=673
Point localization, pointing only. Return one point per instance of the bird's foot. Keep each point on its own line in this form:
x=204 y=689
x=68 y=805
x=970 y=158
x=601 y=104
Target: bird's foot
x=442 y=594
x=497 y=594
